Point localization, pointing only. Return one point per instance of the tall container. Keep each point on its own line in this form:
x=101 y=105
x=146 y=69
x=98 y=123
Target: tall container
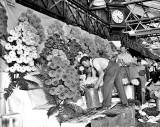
x=130 y=92
x=92 y=98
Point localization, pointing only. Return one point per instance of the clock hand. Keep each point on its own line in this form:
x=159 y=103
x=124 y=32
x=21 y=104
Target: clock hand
x=119 y=18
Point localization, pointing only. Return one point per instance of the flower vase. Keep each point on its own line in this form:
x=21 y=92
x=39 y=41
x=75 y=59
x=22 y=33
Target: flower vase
x=92 y=98
x=130 y=92
x=158 y=104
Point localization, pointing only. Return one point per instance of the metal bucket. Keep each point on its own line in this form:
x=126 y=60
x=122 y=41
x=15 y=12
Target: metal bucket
x=130 y=93
x=92 y=98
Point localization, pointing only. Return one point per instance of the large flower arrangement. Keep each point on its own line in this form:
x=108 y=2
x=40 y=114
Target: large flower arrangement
x=34 y=21
x=21 y=53
x=61 y=80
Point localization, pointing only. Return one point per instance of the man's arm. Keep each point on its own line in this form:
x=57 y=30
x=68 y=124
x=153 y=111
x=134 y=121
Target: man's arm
x=100 y=78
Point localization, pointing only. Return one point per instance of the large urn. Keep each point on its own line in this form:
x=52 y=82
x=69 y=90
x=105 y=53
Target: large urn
x=92 y=98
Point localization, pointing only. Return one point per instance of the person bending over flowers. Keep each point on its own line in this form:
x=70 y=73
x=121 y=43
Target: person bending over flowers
x=108 y=73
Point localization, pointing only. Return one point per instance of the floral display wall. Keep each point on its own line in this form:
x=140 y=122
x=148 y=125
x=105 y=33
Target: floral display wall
x=48 y=50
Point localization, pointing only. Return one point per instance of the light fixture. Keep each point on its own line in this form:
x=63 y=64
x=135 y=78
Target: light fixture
x=98 y=3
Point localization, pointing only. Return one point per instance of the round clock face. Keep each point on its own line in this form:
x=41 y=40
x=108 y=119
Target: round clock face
x=117 y=16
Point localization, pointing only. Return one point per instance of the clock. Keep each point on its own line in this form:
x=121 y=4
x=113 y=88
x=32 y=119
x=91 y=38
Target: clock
x=117 y=16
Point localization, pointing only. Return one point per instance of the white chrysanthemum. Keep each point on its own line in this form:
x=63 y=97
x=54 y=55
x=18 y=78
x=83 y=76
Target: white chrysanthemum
x=14 y=47
x=12 y=53
x=35 y=55
x=14 y=38
x=25 y=60
x=19 y=41
x=14 y=58
x=12 y=69
x=27 y=68
x=33 y=68
x=81 y=68
x=8 y=46
x=24 y=39
x=26 y=53
x=31 y=63
x=5 y=57
x=33 y=48
x=23 y=69
x=28 y=42
x=16 y=65
x=19 y=46
x=10 y=39
x=19 y=60
x=17 y=29
x=12 y=32
x=29 y=58
x=27 y=49
x=20 y=25
x=9 y=59
x=19 y=69
x=19 y=52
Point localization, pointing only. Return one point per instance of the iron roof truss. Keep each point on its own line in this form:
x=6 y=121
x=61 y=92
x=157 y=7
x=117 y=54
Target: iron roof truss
x=70 y=12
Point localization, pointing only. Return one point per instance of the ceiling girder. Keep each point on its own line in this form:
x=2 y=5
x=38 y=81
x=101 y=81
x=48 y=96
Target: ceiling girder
x=143 y=25
x=134 y=2
x=70 y=12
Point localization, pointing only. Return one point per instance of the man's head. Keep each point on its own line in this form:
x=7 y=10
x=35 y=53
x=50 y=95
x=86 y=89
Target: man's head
x=85 y=61
x=123 y=49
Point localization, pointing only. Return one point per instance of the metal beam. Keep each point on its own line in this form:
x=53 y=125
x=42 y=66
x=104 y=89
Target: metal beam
x=134 y=2
x=144 y=19
x=71 y=12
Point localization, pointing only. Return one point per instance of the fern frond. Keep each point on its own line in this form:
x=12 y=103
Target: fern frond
x=9 y=90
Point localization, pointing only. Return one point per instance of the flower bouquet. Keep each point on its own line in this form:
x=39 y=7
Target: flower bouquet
x=61 y=80
x=20 y=56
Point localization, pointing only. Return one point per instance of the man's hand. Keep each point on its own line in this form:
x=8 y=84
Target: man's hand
x=96 y=86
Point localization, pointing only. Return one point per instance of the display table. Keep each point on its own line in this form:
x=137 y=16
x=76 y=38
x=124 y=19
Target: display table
x=39 y=118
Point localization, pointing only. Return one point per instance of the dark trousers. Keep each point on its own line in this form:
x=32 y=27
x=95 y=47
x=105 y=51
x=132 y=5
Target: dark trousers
x=112 y=77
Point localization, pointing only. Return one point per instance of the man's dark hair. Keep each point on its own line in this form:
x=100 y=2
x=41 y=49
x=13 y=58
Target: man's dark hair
x=84 y=58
